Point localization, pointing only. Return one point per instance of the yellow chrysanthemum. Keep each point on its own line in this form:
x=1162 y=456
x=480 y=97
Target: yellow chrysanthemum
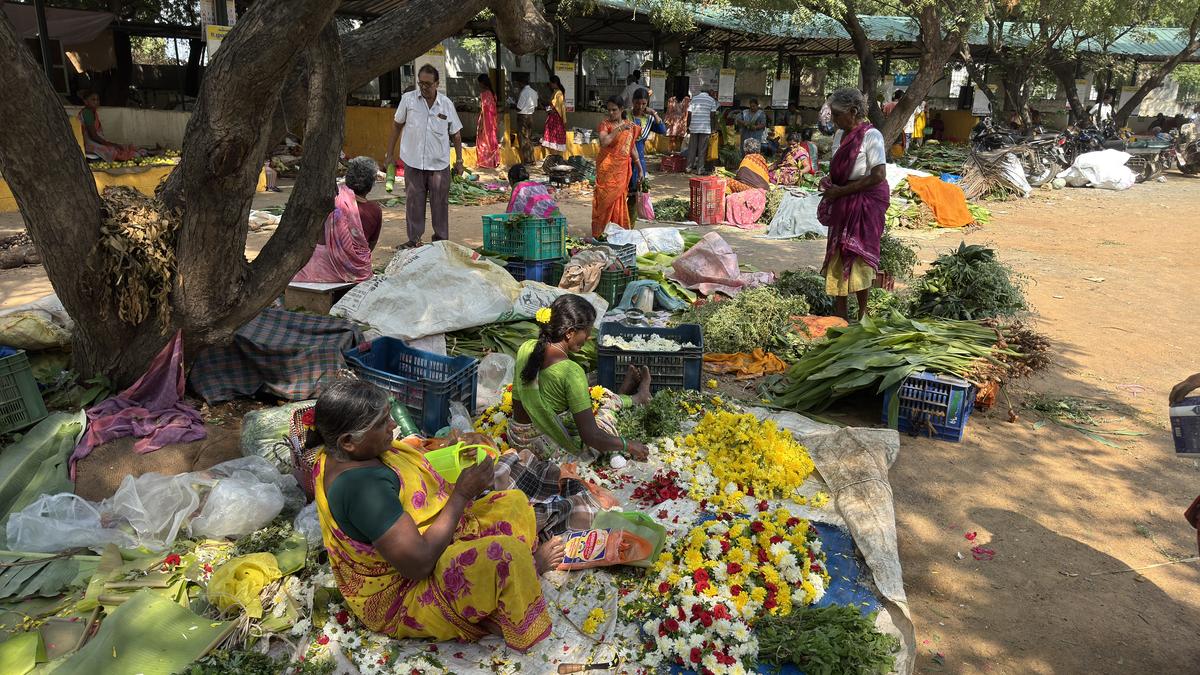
x=543 y=315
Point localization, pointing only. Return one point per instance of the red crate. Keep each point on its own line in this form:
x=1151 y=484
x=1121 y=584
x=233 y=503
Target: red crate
x=708 y=199
x=673 y=163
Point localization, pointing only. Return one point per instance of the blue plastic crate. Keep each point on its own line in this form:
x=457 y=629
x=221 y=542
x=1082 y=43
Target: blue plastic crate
x=1185 y=425
x=937 y=406
x=529 y=239
x=424 y=382
x=668 y=370
x=533 y=270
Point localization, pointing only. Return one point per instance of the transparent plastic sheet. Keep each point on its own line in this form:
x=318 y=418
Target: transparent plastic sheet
x=495 y=373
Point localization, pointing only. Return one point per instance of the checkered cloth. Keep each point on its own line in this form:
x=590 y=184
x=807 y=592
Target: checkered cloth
x=558 y=504
x=278 y=352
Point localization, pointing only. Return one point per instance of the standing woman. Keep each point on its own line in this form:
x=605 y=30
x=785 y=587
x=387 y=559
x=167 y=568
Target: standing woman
x=555 y=135
x=649 y=123
x=613 y=167
x=676 y=120
x=854 y=200
x=487 y=150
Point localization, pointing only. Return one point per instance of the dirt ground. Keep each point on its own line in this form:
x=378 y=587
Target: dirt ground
x=1108 y=278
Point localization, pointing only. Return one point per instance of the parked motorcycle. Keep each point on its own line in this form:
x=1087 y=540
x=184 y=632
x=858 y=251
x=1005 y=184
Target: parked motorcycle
x=1040 y=154
x=1185 y=154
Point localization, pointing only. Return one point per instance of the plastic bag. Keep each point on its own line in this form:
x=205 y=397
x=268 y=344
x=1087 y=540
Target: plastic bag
x=265 y=432
x=602 y=548
x=796 y=217
x=645 y=206
x=460 y=419
x=239 y=581
x=1104 y=169
x=41 y=324
x=236 y=508
x=495 y=373
x=59 y=522
x=535 y=295
x=155 y=506
x=650 y=239
x=257 y=469
x=306 y=523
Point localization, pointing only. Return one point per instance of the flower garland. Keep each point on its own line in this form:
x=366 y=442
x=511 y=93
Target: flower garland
x=722 y=577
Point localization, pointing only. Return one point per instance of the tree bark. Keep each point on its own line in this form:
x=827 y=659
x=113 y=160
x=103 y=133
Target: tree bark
x=936 y=50
x=868 y=66
x=1121 y=116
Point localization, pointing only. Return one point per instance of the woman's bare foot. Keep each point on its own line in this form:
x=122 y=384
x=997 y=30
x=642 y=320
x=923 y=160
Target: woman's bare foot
x=643 y=395
x=548 y=555
x=632 y=379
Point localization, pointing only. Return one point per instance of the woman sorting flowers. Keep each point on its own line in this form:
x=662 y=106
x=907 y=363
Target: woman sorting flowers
x=415 y=556
x=551 y=398
x=854 y=200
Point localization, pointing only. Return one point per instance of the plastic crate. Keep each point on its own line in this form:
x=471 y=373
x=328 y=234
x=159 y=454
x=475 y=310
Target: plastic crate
x=708 y=199
x=668 y=370
x=937 y=406
x=531 y=239
x=626 y=253
x=424 y=382
x=20 y=401
x=534 y=270
x=612 y=284
x=676 y=163
x=1185 y=425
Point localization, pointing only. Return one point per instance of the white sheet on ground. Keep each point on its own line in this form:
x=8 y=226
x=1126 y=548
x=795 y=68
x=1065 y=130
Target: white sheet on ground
x=650 y=239
x=1104 y=169
x=853 y=466
x=796 y=216
x=897 y=173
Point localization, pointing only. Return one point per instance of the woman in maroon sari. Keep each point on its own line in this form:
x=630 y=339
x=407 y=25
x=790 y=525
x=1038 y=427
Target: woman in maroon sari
x=855 y=198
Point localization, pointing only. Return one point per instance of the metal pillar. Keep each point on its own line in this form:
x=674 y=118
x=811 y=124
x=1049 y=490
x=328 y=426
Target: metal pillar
x=220 y=13
x=655 y=63
x=39 y=8
x=725 y=57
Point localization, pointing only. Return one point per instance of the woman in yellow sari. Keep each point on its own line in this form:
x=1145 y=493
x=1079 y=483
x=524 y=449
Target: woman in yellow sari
x=613 y=168
x=413 y=555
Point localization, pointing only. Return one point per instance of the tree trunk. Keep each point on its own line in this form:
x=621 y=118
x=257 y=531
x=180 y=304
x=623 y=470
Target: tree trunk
x=1064 y=72
x=936 y=51
x=1121 y=116
x=868 y=66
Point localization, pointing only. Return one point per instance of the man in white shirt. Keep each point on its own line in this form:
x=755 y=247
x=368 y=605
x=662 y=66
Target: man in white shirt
x=1194 y=118
x=1102 y=111
x=700 y=127
x=635 y=83
x=527 y=102
x=425 y=123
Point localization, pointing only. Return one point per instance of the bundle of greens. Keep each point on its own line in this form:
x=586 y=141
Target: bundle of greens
x=672 y=209
x=834 y=640
x=662 y=416
x=808 y=284
x=756 y=318
x=465 y=192
x=507 y=338
x=881 y=352
x=968 y=283
x=980 y=213
x=880 y=302
x=936 y=158
x=896 y=258
x=913 y=215
x=774 y=198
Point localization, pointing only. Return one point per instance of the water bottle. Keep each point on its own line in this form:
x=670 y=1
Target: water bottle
x=403 y=420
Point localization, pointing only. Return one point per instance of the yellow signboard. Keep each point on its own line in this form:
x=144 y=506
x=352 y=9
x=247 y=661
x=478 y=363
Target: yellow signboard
x=213 y=35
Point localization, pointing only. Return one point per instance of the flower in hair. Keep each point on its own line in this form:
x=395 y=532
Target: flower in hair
x=543 y=315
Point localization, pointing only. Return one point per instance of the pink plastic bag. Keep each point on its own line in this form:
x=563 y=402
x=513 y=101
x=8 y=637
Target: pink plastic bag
x=645 y=207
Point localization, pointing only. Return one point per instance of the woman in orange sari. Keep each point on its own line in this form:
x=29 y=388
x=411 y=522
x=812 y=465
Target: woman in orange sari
x=487 y=152
x=613 y=168
x=413 y=555
x=93 y=133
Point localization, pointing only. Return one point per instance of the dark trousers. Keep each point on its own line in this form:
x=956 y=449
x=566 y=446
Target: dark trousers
x=421 y=185
x=697 y=152
x=525 y=138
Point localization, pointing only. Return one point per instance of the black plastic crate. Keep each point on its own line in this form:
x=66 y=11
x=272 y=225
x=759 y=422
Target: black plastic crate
x=668 y=370
x=626 y=253
x=424 y=382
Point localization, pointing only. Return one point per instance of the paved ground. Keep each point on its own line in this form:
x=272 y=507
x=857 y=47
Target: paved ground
x=1061 y=511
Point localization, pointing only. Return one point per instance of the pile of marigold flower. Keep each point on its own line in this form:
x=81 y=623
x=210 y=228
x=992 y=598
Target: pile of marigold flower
x=494 y=420
x=723 y=576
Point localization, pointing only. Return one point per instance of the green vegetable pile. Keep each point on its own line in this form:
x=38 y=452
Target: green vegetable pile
x=662 y=416
x=881 y=352
x=672 y=209
x=774 y=199
x=880 y=302
x=896 y=258
x=937 y=158
x=968 y=283
x=507 y=338
x=807 y=284
x=834 y=640
x=755 y=318
x=980 y=213
x=465 y=192
x=914 y=215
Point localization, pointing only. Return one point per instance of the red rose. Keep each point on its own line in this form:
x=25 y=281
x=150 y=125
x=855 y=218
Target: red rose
x=750 y=491
x=664 y=588
x=757 y=527
x=701 y=586
x=735 y=590
x=342 y=617
x=721 y=612
x=682 y=616
x=433 y=648
x=793 y=521
x=671 y=625
x=700 y=575
x=662 y=631
x=776 y=539
x=725 y=546
x=695 y=655
x=733 y=568
x=771 y=587
x=323 y=640
x=763 y=557
x=703 y=504
x=706 y=620
x=769 y=604
x=762 y=506
x=706 y=671
x=309 y=418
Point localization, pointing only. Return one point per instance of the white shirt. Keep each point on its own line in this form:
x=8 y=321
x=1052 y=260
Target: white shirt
x=527 y=101
x=1103 y=112
x=630 y=90
x=870 y=154
x=701 y=109
x=425 y=142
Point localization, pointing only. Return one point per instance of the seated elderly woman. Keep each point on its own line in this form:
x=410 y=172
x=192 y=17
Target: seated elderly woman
x=343 y=252
x=413 y=555
x=747 y=192
x=529 y=197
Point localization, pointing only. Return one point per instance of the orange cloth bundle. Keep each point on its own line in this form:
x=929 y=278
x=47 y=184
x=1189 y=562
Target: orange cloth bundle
x=815 y=326
x=746 y=366
x=947 y=201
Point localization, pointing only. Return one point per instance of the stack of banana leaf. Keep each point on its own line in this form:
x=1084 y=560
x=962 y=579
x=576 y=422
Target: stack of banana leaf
x=506 y=338
x=936 y=158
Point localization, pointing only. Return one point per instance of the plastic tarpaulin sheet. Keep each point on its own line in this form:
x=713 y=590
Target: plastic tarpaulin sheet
x=711 y=266
x=796 y=216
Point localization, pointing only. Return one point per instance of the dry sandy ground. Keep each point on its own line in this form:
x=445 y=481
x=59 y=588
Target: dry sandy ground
x=1060 y=511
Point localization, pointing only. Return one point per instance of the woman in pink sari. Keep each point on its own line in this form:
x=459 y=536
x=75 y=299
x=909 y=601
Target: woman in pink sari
x=94 y=141
x=343 y=253
x=487 y=152
x=854 y=200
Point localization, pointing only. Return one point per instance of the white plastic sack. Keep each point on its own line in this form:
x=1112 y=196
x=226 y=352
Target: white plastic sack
x=155 y=506
x=263 y=220
x=58 y=522
x=430 y=290
x=1104 y=169
x=306 y=523
x=897 y=173
x=495 y=373
x=656 y=239
x=796 y=217
x=236 y=507
x=257 y=469
x=535 y=295
x=460 y=418
x=41 y=324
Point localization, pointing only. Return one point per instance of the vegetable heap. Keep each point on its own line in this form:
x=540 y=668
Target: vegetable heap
x=968 y=283
x=755 y=318
x=672 y=209
x=826 y=641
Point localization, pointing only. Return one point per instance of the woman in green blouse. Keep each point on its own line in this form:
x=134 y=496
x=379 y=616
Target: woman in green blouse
x=553 y=407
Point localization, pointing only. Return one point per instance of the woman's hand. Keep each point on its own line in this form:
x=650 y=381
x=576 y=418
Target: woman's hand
x=638 y=451
x=473 y=481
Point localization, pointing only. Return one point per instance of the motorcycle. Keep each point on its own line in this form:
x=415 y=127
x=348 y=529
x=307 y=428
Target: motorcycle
x=1185 y=154
x=1040 y=154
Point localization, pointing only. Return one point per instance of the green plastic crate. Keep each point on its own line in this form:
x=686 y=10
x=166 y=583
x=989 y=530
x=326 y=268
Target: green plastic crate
x=20 y=401
x=531 y=239
x=612 y=284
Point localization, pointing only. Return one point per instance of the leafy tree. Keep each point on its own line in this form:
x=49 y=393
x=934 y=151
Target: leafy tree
x=280 y=50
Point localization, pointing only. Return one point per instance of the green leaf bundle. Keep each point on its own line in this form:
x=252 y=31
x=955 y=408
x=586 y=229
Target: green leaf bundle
x=807 y=284
x=968 y=283
x=672 y=209
x=834 y=640
x=755 y=318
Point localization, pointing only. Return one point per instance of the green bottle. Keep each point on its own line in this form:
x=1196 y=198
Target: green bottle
x=390 y=181
x=403 y=420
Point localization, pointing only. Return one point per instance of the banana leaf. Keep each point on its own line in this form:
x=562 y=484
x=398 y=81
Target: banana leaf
x=37 y=464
